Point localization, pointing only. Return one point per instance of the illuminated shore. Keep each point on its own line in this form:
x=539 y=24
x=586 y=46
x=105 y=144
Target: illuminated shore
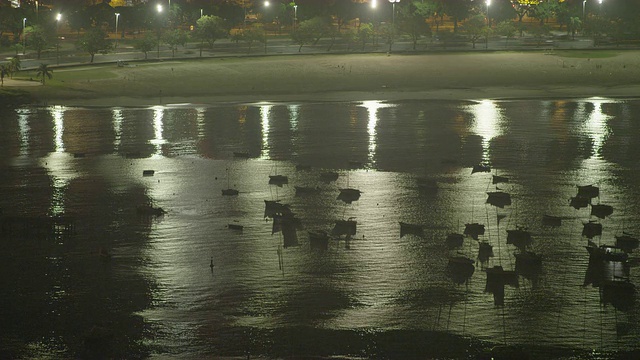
x=447 y=76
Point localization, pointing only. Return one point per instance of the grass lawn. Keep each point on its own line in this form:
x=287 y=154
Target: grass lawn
x=85 y=73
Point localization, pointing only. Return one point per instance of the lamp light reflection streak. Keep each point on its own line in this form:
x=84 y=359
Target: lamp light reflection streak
x=372 y=122
x=200 y=122
x=158 y=117
x=117 y=128
x=24 y=129
x=265 y=113
x=294 y=113
x=596 y=127
x=486 y=122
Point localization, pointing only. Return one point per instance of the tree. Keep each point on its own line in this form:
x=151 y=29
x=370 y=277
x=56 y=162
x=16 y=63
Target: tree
x=94 y=41
x=38 y=38
x=146 y=44
x=310 y=31
x=506 y=29
x=545 y=10
x=413 y=23
x=474 y=27
x=14 y=65
x=523 y=7
x=364 y=33
x=254 y=34
x=210 y=28
x=573 y=26
x=44 y=72
x=539 y=32
x=458 y=10
x=173 y=38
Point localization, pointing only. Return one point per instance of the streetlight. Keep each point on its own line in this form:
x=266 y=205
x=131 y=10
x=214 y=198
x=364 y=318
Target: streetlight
x=584 y=4
x=159 y=8
x=486 y=42
x=24 y=35
x=393 y=10
x=295 y=16
x=266 y=5
x=200 y=12
x=117 y=16
x=58 y=18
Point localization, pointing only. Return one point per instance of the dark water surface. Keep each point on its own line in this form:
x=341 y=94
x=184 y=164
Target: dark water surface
x=376 y=295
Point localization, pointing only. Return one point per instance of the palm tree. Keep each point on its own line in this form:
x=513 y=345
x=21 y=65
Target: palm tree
x=44 y=72
x=14 y=65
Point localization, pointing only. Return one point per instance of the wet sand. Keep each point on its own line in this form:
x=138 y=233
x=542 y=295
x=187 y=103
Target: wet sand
x=450 y=76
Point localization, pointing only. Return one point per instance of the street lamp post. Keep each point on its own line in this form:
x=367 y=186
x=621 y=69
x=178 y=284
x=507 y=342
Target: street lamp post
x=117 y=16
x=266 y=5
x=24 y=35
x=584 y=4
x=295 y=16
x=393 y=11
x=159 y=8
x=486 y=40
x=488 y=18
x=58 y=18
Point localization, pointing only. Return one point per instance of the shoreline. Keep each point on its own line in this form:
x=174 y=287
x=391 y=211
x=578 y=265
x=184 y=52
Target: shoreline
x=331 y=78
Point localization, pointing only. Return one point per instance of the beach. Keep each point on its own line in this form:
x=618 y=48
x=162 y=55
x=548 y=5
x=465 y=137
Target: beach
x=352 y=77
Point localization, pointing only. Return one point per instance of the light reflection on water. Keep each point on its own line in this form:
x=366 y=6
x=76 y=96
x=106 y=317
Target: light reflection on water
x=378 y=280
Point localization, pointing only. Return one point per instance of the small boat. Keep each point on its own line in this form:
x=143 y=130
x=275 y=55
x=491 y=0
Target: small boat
x=485 y=251
x=499 y=275
x=319 y=239
x=527 y=259
x=520 y=237
x=620 y=293
x=241 y=154
x=454 y=240
x=496 y=179
x=148 y=172
x=474 y=230
x=78 y=155
x=591 y=229
x=349 y=195
x=579 y=202
x=588 y=191
x=344 y=227
x=460 y=268
x=413 y=229
x=627 y=242
x=148 y=210
x=498 y=198
x=480 y=168
x=274 y=207
x=329 y=176
x=235 y=227
x=301 y=167
x=601 y=211
x=302 y=190
x=550 y=220
x=606 y=253
x=230 y=192
x=278 y=180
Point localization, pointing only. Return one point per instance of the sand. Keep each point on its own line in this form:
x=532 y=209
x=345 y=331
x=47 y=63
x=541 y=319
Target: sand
x=450 y=76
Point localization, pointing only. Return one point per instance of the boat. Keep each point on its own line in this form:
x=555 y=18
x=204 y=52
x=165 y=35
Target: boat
x=588 y=191
x=274 y=207
x=579 y=202
x=497 y=279
x=485 y=251
x=344 y=227
x=319 y=239
x=148 y=172
x=229 y=191
x=414 y=229
x=527 y=259
x=480 y=168
x=235 y=227
x=148 y=210
x=498 y=198
x=550 y=220
x=606 y=253
x=496 y=179
x=591 y=229
x=460 y=268
x=241 y=154
x=627 y=242
x=601 y=211
x=304 y=190
x=454 y=240
x=427 y=185
x=474 y=230
x=519 y=237
x=278 y=180
x=302 y=167
x=329 y=176
x=349 y=195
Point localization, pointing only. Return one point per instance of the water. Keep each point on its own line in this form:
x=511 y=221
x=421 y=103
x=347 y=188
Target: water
x=377 y=295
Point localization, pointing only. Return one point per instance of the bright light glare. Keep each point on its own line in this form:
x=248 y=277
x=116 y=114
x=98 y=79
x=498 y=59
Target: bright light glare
x=374 y=3
x=159 y=7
